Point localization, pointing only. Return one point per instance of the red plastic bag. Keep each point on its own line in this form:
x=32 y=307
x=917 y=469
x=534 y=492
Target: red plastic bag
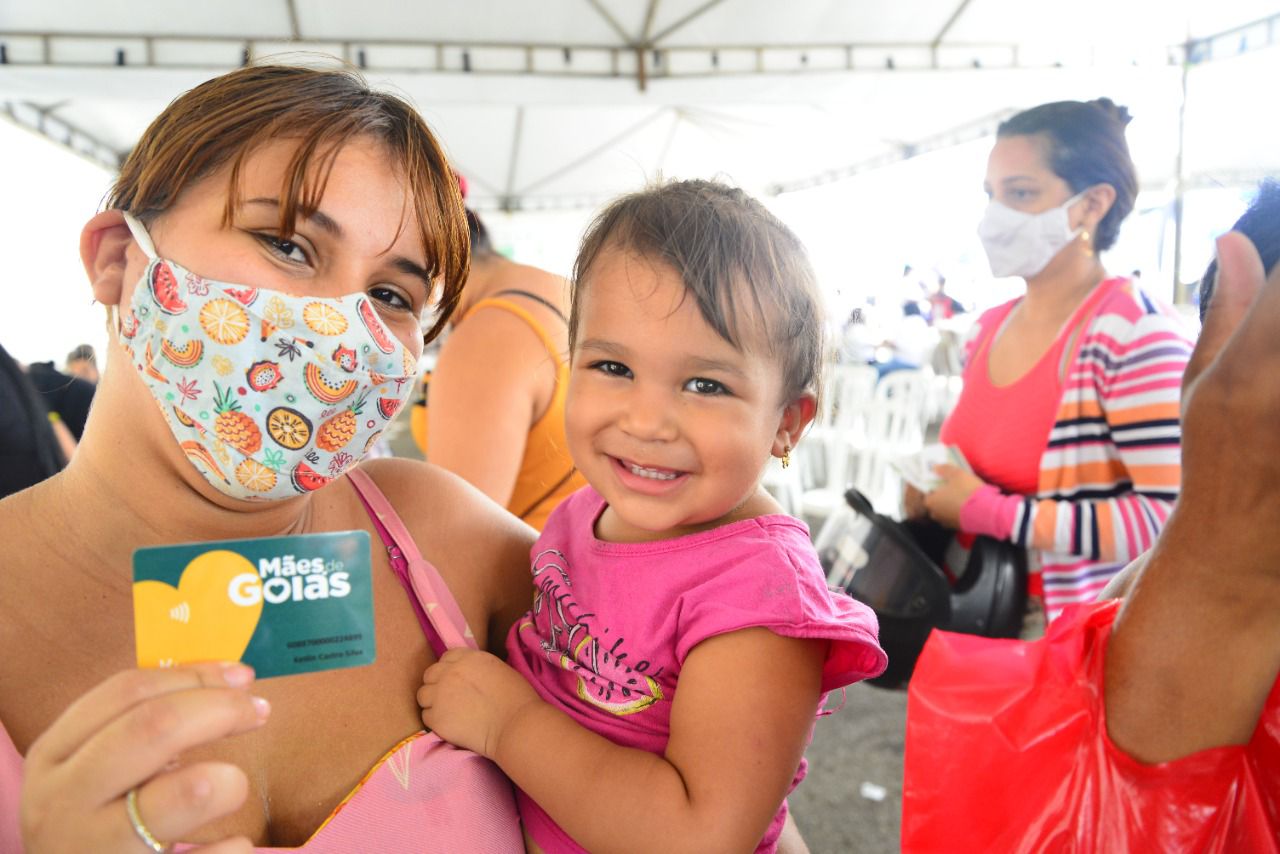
x=1007 y=751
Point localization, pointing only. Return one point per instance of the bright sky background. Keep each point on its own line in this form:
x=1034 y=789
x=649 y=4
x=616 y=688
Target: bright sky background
x=45 y=300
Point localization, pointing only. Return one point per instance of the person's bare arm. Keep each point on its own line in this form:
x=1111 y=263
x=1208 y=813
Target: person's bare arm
x=480 y=548
x=485 y=388
x=1196 y=647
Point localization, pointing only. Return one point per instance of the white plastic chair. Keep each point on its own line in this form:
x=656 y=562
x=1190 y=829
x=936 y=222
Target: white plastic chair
x=846 y=386
x=858 y=451
x=847 y=394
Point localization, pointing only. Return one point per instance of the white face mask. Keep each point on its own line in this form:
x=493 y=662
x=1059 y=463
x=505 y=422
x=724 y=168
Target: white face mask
x=1023 y=244
x=269 y=395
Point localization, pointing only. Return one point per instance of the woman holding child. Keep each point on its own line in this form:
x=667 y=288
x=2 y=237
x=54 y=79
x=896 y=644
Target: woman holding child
x=267 y=256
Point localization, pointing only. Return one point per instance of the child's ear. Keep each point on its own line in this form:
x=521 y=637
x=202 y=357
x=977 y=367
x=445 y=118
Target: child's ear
x=104 y=243
x=796 y=416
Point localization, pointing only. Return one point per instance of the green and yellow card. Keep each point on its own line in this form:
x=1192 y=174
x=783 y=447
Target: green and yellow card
x=282 y=605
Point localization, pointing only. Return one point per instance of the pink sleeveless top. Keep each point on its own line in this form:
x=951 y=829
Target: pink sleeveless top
x=1003 y=430
x=424 y=794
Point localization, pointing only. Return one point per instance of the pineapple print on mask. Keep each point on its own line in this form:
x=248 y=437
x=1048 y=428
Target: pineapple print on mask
x=340 y=429
x=233 y=426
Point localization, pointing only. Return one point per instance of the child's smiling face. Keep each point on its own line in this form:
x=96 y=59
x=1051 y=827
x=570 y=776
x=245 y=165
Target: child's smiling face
x=666 y=419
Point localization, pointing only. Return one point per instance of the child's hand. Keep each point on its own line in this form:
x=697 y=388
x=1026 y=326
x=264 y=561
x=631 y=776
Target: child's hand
x=468 y=696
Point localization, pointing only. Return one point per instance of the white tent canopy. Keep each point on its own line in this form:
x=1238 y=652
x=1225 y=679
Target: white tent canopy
x=561 y=103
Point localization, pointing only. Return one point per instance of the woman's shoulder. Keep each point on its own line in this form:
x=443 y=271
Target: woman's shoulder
x=480 y=549
x=439 y=502
x=504 y=328
x=549 y=286
x=1124 y=298
x=1126 y=313
x=996 y=313
x=992 y=317
x=986 y=322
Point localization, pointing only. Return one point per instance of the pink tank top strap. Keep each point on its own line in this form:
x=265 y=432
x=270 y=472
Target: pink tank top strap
x=438 y=613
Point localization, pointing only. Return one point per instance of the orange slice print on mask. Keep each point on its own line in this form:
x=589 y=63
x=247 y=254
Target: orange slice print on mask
x=253 y=475
x=323 y=319
x=224 y=321
x=289 y=428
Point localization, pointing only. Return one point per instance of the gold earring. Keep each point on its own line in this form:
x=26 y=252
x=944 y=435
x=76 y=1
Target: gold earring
x=786 y=456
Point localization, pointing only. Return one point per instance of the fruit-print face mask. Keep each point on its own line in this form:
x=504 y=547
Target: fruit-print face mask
x=269 y=395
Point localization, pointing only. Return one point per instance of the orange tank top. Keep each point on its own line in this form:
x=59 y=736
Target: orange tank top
x=547 y=473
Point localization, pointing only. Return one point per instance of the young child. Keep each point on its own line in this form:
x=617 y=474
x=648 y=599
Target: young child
x=682 y=637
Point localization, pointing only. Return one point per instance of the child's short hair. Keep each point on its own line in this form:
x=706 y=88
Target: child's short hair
x=726 y=247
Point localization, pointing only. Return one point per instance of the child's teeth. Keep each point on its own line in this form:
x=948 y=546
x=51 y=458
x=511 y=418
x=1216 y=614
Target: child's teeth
x=653 y=473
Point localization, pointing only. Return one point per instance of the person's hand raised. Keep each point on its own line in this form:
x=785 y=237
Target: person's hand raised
x=123 y=736
x=1196 y=647
x=1231 y=412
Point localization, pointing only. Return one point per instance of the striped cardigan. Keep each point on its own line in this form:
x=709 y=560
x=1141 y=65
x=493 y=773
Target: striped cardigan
x=1110 y=473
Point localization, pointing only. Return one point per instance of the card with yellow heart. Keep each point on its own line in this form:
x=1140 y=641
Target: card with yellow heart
x=283 y=605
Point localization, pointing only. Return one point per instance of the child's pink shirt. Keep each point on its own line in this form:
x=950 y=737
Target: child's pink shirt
x=612 y=624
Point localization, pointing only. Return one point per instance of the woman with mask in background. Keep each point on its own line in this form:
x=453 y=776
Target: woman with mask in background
x=1151 y=723
x=1069 y=414
x=268 y=255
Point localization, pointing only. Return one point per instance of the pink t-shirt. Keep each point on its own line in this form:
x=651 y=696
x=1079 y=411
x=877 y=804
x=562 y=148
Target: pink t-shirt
x=612 y=624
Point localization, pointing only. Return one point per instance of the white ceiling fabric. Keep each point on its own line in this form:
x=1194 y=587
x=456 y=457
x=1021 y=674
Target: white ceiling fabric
x=534 y=129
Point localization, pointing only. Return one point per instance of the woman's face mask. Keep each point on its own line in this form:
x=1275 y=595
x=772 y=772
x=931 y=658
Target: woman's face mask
x=1023 y=244
x=269 y=395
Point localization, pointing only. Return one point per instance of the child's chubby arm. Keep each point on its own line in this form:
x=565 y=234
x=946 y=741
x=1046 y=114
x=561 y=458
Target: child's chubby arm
x=739 y=724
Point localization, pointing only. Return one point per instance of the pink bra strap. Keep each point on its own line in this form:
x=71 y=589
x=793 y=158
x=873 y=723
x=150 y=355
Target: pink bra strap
x=438 y=614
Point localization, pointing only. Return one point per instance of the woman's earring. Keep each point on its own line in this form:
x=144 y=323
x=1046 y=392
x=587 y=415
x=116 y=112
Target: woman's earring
x=786 y=456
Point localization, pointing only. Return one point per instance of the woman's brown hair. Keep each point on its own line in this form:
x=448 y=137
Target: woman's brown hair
x=1085 y=145
x=223 y=120
x=730 y=252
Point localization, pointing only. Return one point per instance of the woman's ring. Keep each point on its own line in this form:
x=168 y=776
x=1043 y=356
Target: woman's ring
x=148 y=839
